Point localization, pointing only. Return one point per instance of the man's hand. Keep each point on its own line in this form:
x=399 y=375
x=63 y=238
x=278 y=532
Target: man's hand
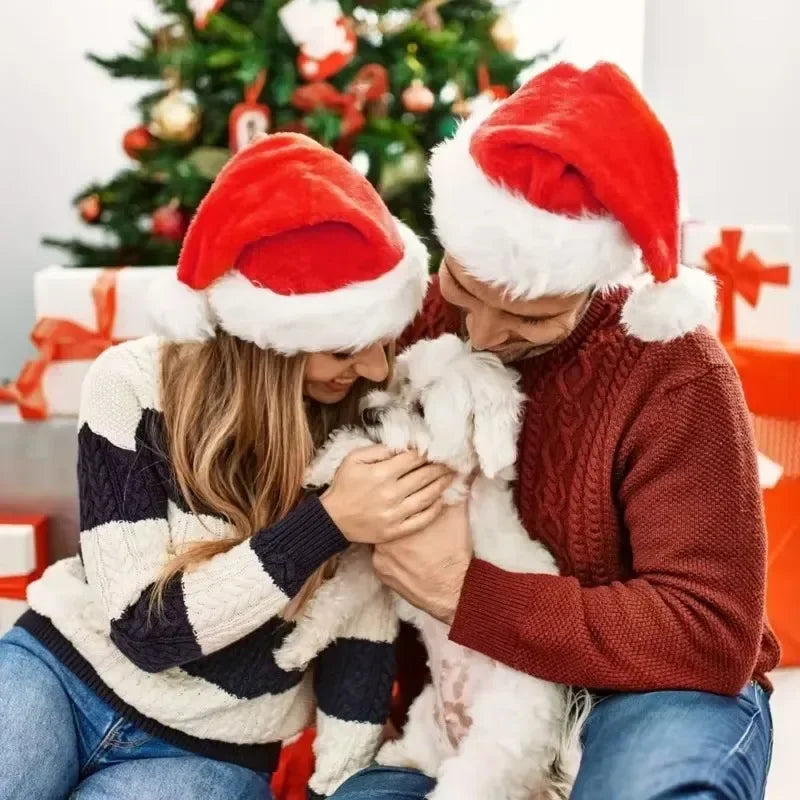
x=428 y=567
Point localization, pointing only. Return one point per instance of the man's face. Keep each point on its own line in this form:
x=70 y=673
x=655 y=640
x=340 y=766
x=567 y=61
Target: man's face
x=511 y=329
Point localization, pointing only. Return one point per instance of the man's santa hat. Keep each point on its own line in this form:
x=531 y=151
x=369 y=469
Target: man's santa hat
x=293 y=249
x=568 y=185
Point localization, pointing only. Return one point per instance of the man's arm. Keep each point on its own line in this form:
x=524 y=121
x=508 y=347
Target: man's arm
x=692 y=616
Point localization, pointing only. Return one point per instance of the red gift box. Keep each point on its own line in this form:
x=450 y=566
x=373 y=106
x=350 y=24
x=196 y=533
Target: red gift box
x=23 y=553
x=771 y=380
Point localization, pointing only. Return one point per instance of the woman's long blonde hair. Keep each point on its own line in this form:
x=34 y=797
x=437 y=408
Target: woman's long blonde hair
x=239 y=436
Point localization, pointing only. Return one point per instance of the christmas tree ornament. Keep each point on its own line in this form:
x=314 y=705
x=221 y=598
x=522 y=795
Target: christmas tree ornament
x=176 y=117
x=418 y=98
x=503 y=34
x=202 y=10
x=170 y=222
x=250 y=118
x=90 y=208
x=360 y=162
x=326 y=39
x=395 y=21
x=370 y=84
x=367 y=25
x=137 y=141
x=171 y=36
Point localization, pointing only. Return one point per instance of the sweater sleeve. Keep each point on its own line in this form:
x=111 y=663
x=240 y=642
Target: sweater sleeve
x=692 y=613
x=127 y=538
x=353 y=682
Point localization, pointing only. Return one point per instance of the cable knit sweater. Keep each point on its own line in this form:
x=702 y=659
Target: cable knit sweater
x=637 y=469
x=202 y=675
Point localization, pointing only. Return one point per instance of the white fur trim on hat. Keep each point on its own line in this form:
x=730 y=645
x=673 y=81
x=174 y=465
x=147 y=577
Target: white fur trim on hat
x=659 y=312
x=502 y=239
x=349 y=318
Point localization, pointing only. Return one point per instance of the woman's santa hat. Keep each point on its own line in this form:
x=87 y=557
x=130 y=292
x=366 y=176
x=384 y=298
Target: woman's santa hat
x=571 y=184
x=293 y=249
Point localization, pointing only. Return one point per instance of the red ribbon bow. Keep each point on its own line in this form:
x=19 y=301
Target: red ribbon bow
x=737 y=274
x=370 y=83
x=61 y=340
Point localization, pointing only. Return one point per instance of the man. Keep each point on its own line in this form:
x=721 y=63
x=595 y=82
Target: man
x=636 y=461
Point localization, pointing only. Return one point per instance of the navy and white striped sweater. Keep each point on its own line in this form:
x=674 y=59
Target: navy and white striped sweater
x=202 y=675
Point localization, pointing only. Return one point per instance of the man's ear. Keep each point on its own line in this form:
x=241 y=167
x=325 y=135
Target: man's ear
x=497 y=404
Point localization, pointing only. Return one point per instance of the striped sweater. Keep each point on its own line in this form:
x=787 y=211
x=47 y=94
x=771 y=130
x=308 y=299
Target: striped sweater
x=202 y=675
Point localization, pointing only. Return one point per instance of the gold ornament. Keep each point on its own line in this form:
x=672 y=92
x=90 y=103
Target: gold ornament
x=176 y=117
x=503 y=34
x=170 y=37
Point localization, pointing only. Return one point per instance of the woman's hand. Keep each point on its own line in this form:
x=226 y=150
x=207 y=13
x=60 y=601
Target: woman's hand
x=377 y=496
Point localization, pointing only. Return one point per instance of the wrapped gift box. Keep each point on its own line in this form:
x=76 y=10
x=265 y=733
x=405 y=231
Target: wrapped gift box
x=23 y=557
x=79 y=313
x=754 y=271
x=771 y=380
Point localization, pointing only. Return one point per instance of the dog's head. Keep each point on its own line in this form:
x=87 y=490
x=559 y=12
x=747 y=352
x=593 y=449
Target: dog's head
x=458 y=407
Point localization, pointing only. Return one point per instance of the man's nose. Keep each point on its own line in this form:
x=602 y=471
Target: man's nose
x=372 y=364
x=485 y=330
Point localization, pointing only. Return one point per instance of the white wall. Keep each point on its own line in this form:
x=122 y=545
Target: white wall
x=63 y=121
x=725 y=77
x=591 y=30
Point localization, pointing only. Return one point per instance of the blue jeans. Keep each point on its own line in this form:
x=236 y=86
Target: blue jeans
x=650 y=746
x=59 y=740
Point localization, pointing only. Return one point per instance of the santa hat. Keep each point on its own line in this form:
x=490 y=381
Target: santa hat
x=293 y=249
x=567 y=185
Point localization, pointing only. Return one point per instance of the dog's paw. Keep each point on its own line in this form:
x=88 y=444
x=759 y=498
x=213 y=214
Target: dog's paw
x=297 y=651
x=395 y=754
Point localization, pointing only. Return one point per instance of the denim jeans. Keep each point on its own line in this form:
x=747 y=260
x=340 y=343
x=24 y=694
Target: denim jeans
x=649 y=746
x=59 y=740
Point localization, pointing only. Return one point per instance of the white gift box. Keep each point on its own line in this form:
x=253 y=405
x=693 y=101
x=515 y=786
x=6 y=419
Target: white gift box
x=66 y=293
x=775 y=316
x=10 y=612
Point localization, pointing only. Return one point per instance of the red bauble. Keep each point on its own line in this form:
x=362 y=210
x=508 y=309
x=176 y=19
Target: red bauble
x=169 y=222
x=137 y=140
x=418 y=98
x=90 y=208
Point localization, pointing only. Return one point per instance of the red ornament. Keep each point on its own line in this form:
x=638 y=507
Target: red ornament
x=418 y=98
x=137 y=140
x=169 y=222
x=317 y=65
x=250 y=118
x=90 y=208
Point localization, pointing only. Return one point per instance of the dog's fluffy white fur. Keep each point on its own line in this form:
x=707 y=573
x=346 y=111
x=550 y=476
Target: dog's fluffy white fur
x=522 y=737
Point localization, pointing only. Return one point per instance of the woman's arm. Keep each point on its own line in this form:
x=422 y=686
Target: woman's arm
x=692 y=616
x=126 y=542
x=353 y=682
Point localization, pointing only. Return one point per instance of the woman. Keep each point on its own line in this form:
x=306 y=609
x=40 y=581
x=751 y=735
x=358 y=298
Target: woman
x=636 y=460
x=145 y=667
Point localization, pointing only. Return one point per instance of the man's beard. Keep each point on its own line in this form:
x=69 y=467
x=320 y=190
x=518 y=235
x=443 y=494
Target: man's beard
x=512 y=352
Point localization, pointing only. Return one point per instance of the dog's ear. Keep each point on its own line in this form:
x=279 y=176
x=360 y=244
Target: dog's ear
x=447 y=408
x=497 y=408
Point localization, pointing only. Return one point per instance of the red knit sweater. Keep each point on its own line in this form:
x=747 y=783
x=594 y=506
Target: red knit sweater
x=637 y=470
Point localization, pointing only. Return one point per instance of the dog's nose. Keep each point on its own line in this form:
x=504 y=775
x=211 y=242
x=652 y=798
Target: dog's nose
x=371 y=416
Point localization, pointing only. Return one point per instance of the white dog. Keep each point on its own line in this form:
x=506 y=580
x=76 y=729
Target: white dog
x=483 y=730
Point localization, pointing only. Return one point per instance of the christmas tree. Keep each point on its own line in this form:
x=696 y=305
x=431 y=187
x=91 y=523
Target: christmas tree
x=381 y=82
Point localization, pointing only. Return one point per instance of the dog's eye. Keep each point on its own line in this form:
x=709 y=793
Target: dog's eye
x=418 y=409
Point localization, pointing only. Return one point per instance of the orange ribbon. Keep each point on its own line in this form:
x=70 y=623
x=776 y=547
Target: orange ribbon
x=62 y=340
x=741 y=275
x=370 y=83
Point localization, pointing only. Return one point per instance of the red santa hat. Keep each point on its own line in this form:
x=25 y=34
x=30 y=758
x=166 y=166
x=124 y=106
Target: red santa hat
x=293 y=249
x=567 y=185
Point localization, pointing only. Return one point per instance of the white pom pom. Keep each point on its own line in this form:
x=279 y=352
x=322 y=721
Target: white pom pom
x=178 y=312
x=658 y=312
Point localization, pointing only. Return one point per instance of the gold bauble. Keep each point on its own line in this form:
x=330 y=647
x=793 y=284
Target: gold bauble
x=170 y=37
x=176 y=117
x=504 y=35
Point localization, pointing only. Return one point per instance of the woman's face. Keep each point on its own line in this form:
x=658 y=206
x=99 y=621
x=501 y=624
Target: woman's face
x=329 y=377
